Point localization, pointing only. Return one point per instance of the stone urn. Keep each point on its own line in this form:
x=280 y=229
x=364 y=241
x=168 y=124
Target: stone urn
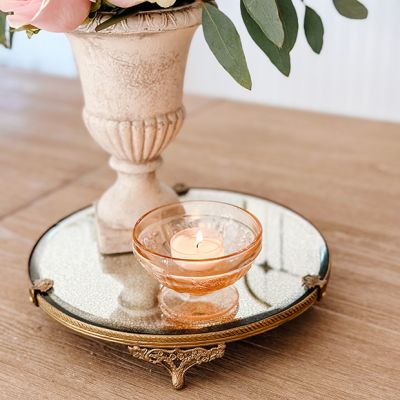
x=132 y=79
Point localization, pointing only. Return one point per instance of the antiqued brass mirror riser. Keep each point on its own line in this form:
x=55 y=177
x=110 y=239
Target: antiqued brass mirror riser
x=288 y=277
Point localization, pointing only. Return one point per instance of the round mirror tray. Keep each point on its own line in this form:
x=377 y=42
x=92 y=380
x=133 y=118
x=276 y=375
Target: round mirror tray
x=111 y=297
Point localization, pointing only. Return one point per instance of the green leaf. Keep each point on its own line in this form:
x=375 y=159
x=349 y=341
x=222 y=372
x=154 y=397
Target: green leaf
x=290 y=22
x=10 y=38
x=224 y=41
x=95 y=6
x=279 y=56
x=30 y=33
x=3 y=28
x=6 y=33
x=351 y=9
x=314 y=30
x=266 y=14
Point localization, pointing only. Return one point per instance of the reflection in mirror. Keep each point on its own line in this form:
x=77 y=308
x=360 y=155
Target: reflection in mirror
x=138 y=297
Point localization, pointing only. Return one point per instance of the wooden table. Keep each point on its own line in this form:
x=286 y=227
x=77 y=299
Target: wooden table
x=342 y=173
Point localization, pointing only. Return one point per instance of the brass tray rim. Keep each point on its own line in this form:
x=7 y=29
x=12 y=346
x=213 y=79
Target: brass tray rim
x=184 y=340
x=188 y=340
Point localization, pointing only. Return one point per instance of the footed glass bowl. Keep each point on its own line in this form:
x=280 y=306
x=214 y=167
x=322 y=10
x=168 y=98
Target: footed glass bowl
x=197 y=250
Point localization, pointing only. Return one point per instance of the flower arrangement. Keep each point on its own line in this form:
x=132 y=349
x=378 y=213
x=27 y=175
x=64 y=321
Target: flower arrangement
x=272 y=24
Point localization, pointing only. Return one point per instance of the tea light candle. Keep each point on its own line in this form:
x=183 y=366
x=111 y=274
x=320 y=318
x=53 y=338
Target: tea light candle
x=197 y=244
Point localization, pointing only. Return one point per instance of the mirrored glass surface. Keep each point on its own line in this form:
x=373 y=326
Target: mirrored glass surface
x=116 y=292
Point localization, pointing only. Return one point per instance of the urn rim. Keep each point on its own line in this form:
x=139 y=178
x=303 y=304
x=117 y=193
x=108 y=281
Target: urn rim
x=151 y=21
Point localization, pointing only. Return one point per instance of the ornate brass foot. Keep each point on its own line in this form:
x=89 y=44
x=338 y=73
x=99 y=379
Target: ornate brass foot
x=315 y=281
x=178 y=361
x=39 y=286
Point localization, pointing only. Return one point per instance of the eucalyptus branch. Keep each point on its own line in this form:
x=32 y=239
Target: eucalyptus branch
x=272 y=24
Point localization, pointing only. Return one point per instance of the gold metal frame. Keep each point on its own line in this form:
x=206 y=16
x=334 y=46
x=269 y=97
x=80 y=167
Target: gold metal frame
x=178 y=353
x=181 y=341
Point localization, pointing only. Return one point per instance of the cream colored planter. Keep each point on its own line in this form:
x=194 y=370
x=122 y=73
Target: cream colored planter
x=132 y=80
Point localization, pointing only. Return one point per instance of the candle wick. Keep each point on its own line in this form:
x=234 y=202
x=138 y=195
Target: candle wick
x=199 y=238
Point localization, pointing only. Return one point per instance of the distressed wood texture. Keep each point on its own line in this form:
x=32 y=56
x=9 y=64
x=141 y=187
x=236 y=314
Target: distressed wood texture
x=343 y=174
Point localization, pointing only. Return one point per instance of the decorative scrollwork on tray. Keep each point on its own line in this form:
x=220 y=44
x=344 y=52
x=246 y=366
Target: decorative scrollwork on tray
x=177 y=361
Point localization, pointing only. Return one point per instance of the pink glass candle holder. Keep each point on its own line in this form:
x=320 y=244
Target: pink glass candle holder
x=197 y=250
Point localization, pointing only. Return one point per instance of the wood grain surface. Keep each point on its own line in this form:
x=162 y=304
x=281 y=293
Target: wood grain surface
x=341 y=173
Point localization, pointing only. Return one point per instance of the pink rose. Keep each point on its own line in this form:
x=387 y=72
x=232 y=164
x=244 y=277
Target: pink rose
x=131 y=3
x=126 y=3
x=50 y=15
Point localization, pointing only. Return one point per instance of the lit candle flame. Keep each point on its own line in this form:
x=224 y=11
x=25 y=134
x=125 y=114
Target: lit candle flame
x=199 y=238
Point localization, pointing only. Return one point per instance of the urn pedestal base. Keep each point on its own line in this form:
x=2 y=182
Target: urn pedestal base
x=136 y=191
